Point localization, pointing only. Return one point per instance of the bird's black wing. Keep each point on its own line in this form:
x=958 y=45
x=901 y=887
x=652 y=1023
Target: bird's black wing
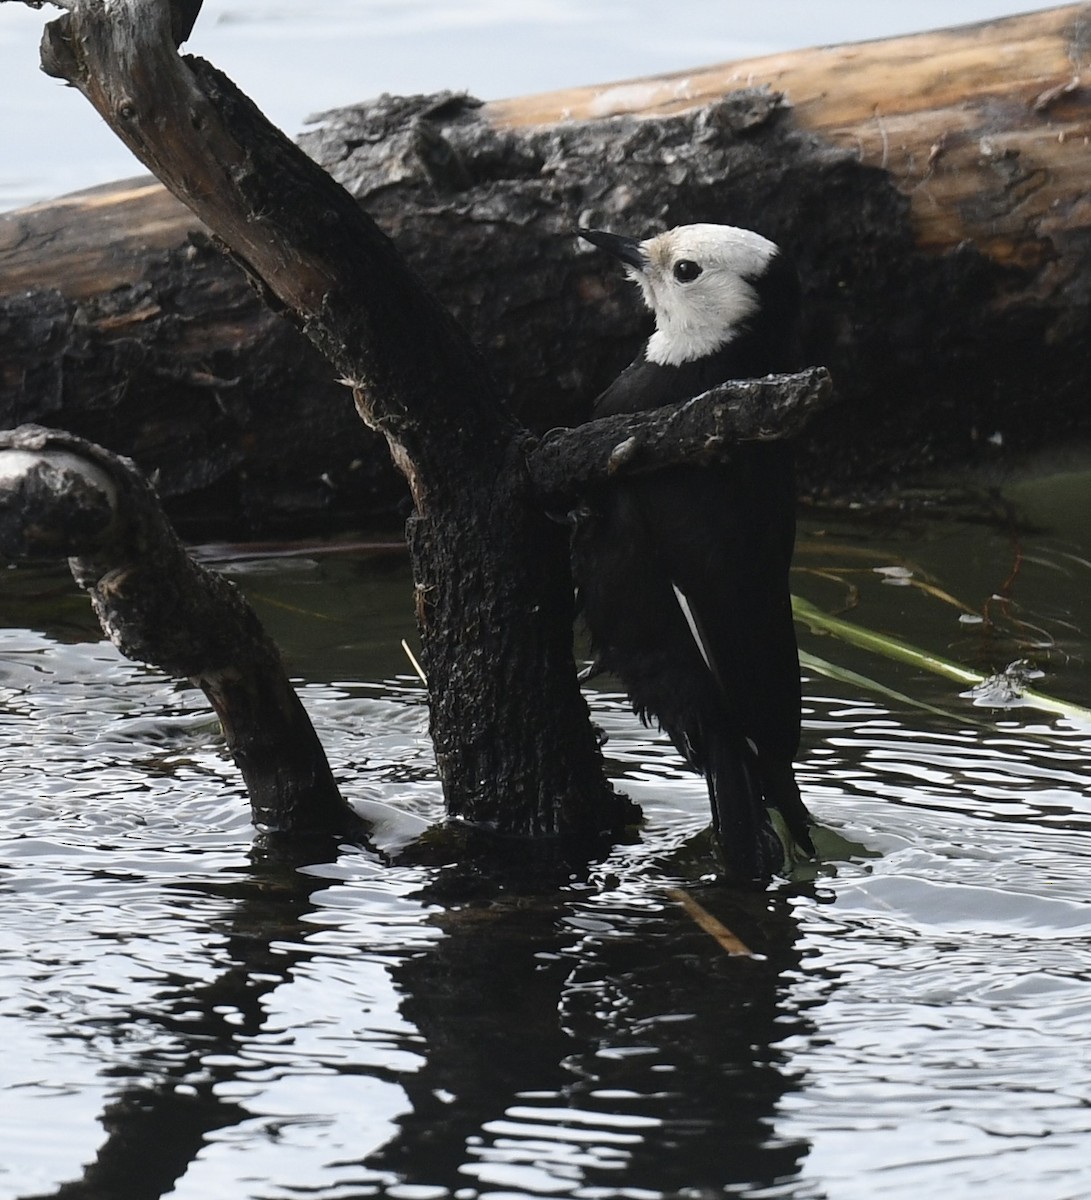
x=723 y=536
x=684 y=583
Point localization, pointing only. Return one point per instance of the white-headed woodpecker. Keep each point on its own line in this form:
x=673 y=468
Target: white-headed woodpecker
x=683 y=573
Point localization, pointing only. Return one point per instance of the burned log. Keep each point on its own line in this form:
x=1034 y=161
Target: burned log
x=932 y=189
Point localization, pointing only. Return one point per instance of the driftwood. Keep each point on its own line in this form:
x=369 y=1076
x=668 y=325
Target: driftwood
x=932 y=188
x=514 y=746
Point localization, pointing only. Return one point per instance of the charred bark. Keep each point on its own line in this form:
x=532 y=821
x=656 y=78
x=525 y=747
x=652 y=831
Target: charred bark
x=63 y=496
x=932 y=188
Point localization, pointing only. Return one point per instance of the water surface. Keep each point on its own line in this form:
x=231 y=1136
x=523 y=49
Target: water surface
x=183 y=1016
x=180 y=1013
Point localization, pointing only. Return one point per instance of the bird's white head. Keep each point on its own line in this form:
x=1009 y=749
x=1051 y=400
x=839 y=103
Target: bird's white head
x=698 y=280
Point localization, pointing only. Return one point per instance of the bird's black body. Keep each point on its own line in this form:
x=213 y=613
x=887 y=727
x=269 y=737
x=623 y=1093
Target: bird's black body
x=722 y=681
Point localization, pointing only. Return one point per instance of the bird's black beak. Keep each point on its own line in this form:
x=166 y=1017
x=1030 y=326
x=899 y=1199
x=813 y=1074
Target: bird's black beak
x=627 y=249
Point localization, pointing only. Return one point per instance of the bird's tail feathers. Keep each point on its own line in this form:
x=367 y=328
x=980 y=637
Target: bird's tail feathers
x=782 y=793
x=750 y=844
x=743 y=787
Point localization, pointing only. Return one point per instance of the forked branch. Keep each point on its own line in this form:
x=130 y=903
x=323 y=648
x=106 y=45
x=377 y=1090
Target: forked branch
x=514 y=747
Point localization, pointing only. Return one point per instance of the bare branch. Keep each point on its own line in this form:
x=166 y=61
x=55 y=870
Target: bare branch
x=566 y=462
x=311 y=250
x=514 y=748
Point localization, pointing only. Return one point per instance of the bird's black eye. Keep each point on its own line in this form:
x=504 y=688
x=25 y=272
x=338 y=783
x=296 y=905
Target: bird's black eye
x=686 y=270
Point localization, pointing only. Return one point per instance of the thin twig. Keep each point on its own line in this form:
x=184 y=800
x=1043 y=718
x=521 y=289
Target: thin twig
x=413 y=660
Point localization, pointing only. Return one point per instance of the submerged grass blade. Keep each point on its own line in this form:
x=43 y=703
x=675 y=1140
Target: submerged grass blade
x=894 y=648
x=938 y=593
x=865 y=683
x=880 y=643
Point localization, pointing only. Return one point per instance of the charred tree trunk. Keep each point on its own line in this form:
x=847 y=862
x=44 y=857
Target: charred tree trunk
x=513 y=743
x=63 y=496
x=932 y=188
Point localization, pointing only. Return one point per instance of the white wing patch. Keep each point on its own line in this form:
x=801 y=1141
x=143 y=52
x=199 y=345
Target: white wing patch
x=687 y=612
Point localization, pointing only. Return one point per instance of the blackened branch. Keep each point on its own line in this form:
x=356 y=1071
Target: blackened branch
x=566 y=462
x=514 y=746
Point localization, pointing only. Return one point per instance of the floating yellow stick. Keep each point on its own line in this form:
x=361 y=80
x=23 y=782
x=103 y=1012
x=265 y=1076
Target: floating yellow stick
x=709 y=923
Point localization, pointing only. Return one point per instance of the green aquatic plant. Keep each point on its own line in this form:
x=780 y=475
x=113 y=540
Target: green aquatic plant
x=983 y=688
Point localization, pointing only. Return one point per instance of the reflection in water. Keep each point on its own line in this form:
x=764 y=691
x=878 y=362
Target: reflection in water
x=182 y=1017
x=596 y=1043
x=553 y=1047
x=540 y=1043
x=157 y=1120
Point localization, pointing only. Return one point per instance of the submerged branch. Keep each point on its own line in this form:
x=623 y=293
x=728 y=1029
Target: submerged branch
x=61 y=495
x=711 y=925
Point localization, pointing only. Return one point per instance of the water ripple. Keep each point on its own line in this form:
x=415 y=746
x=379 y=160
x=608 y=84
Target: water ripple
x=916 y=1010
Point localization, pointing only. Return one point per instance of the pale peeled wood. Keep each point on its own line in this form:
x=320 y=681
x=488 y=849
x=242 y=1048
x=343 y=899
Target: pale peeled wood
x=985 y=128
